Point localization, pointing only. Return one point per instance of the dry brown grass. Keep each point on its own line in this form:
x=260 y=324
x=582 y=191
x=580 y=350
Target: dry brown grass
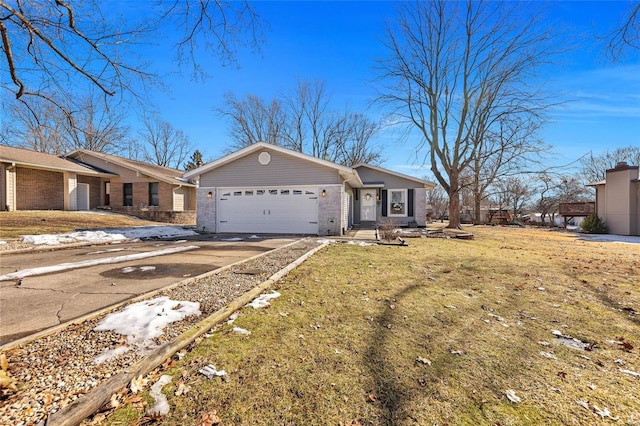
x=433 y=333
x=15 y=224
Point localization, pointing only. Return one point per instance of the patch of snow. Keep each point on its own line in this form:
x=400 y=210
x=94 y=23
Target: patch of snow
x=361 y=243
x=108 y=235
x=66 y=266
x=107 y=354
x=262 y=301
x=161 y=407
x=631 y=373
x=143 y=321
x=127 y=270
x=610 y=238
x=232 y=239
x=147 y=268
x=254 y=236
x=2 y=242
x=242 y=331
x=511 y=396
x=234 y=316
x=211 y=371
x=325 y=241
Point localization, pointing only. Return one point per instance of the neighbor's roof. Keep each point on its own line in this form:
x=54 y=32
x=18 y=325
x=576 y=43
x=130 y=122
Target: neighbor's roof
x=598 y=183
x=348 y=173
x=43 y=161
x=422 y=182
x=164 y=174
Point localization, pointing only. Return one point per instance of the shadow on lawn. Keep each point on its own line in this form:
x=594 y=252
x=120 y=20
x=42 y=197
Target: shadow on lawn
x=390 y=393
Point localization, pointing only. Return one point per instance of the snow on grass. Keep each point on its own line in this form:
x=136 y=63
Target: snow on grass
x=142 y=322
x=262 y=301
x=109 y=235
x=67 y=266
x=239 y=330
x=161 y=407
x=232 y=239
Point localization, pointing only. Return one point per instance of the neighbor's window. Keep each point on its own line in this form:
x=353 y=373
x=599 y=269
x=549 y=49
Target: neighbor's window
x=154 y=194
x=397 y=202
x=127 y=194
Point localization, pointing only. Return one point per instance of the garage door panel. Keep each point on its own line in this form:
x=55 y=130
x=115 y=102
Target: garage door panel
x=268 y=210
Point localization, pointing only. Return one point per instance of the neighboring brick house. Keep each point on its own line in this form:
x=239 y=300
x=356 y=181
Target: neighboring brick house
x=138 y=187
x=37 y=181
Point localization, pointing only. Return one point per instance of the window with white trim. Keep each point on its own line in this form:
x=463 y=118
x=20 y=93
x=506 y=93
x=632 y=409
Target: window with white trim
x=397 y=203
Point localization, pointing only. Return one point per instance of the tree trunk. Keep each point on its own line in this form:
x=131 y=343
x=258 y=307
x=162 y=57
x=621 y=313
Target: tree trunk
x=454 y=201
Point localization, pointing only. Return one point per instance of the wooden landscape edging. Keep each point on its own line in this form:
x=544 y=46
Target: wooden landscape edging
x=82 y=408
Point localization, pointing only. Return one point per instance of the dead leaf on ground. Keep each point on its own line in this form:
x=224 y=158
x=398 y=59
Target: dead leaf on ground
x=137 y=384
x=372 y=397
x=209 y=419
x=4 y=364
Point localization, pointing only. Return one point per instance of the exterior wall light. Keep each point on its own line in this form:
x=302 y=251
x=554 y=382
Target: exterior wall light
x=324 y=193
x=210 y=194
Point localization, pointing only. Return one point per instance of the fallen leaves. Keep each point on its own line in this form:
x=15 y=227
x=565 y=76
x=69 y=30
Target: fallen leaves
x=7 y=383
x=209 y=419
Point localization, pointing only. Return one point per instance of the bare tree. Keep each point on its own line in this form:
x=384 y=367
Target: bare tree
x=594 y=167
x=515 y=193
x=43 y=134
x=163 y=144
x=254 y=120
x=54 y=47
x=626 y=37
x=554 y=189
x=95 y=126
x=455 y=69
x=438 y=199
x=303 y=122
x=86 y=124
x=508 y=147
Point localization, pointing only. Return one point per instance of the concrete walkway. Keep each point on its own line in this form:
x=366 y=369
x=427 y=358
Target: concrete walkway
x=364 y=231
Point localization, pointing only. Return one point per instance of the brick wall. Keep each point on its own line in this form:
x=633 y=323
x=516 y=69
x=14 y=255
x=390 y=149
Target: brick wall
x=166 y=196
x=94 y=190
x=39 y=189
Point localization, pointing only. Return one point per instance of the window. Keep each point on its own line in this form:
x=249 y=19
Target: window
x=127 y=194
x=154 y=194
x=397 y=202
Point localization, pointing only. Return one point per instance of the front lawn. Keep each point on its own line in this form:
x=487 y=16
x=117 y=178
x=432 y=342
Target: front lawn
x=444 y=331
x=36 y=222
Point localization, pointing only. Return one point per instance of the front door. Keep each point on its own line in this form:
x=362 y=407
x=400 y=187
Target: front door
x=367 y=204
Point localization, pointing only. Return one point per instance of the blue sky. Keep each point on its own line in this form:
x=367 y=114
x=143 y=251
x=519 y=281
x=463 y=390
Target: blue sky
x=339 y=42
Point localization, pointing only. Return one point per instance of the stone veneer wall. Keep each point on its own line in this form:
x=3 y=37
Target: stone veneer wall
x=206 y=209
x=164 y=216
x=330 y=210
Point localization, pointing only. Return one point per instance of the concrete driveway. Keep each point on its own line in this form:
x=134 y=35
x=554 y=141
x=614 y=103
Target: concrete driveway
x=38 y=297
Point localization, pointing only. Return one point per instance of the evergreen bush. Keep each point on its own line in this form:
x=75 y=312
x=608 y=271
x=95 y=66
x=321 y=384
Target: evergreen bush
x=593 y=224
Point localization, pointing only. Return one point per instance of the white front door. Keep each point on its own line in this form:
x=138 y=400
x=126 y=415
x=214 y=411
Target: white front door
x=83 y=196
x=368 y=204
x=292 y=210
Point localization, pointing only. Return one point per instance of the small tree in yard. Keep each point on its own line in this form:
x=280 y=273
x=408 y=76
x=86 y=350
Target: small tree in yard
x=593 y=224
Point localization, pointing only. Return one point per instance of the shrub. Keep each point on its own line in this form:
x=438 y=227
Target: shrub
x=593 y=224
x=386 y=229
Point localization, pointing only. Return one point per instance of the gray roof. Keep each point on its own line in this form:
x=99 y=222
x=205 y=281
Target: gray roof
x=164 y=174
x=40 y=160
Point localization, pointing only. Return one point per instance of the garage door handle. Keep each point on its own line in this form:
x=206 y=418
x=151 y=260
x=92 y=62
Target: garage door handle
x=264 y=212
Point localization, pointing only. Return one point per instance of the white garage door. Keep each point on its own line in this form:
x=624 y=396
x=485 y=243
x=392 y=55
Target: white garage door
x=268 y=210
